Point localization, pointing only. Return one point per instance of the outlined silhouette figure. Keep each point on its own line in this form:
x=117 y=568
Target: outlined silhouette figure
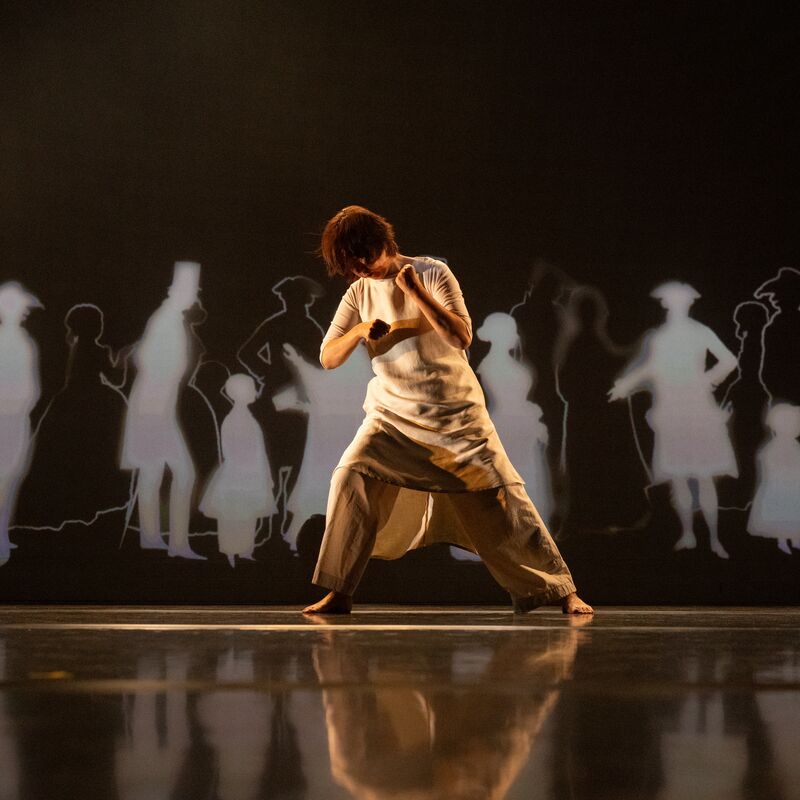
x=747 y=397
x=262 y=356
x=333 y=400
x=775 y=513
x=692 y=444
x=507 y=383
x=604 y=476
x=152 y=437
x=781 y=336
x=538 y=318
x=240 y=492
x=19 y=393
x=74 y=475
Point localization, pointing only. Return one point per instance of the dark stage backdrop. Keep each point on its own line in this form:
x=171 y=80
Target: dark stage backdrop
x=612 y=183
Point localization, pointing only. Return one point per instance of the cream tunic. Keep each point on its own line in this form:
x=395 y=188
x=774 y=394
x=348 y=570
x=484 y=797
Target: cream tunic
x=426 y=427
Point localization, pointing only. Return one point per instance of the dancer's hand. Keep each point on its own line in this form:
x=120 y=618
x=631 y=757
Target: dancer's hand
x=408 y=280
x=375 y=329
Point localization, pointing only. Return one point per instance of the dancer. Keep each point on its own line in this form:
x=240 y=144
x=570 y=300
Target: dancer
x=692 y=444
x=240 y=491
x=426 y=431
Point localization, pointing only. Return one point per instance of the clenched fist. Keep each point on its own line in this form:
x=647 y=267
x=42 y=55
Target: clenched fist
x=408 y=280
x=376 y=329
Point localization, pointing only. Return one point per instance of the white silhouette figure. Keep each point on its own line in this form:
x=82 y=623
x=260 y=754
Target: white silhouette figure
x=775 y=513
x=506 y=382
x=334 y=413
x=240 y=492
x=691 y=436
x=153 y=438
x=19 y=393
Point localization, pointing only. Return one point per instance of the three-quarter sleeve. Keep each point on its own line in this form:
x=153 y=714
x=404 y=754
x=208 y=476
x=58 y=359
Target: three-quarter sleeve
x=445 y=289
x=346 y=317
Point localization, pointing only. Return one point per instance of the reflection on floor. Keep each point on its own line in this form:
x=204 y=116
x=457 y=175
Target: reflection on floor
x=411 y=703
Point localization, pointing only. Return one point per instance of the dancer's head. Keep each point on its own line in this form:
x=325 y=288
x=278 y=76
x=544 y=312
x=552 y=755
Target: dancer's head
x=185 y=284
x=16 y=302
x=241 y=389
x=783 y=420
x=357 y=243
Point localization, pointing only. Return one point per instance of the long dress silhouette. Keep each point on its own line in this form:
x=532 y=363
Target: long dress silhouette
x=776 y=506
x=240 y=491
x=74 y=475
x=19 y=393
x=152 y=437
x=604 y=476
x=692 y=444
x=507 y=383
x=748 y=398
x=262 y=356
x=782 y=336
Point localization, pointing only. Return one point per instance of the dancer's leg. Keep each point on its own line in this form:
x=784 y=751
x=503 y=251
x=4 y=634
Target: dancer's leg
x=357 y=506
x=180 y=504
x=509 y=535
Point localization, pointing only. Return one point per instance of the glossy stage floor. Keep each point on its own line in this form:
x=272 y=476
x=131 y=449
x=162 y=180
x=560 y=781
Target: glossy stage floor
x=472 y=703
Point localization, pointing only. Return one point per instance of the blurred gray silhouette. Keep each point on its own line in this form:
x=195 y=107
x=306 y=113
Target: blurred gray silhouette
x=240 y=492
x=333 y=401
x=507 y=382
x=775 y=513
x=19 y=393
x=692 y=444
x=152 y=437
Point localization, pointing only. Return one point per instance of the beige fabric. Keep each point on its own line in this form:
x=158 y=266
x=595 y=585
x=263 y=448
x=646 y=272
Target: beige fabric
x=501 y=525
x=426 y=424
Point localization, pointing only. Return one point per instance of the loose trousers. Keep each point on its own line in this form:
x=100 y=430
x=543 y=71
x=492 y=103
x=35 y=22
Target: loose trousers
x=501 y=525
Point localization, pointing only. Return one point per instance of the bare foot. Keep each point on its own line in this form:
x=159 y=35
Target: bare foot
x=572 y=604
x=332 y=603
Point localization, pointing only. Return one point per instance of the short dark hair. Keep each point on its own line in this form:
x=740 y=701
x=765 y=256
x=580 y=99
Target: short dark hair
x=353 y=236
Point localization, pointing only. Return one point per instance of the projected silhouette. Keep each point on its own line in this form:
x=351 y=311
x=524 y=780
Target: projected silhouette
x=74 y=474
x=507 y=382
x=152 y=437
x=782 y=336
x=538 y=318
x=262 y=356
x=19 y=393
x=776 y=506
x=692 y=445
x=332 y=399
x=747 y=397
x=605 y=479
x=240 y=492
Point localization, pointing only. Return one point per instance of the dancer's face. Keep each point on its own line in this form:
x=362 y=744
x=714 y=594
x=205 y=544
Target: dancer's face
x=382 y=267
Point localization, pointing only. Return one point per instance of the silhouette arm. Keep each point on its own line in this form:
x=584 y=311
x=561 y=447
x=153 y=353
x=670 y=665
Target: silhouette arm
x=250 y=353
x=635 y=377
x=726 y=360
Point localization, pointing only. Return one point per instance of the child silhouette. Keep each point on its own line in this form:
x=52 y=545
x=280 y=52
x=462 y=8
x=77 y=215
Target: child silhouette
x=240 y=491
